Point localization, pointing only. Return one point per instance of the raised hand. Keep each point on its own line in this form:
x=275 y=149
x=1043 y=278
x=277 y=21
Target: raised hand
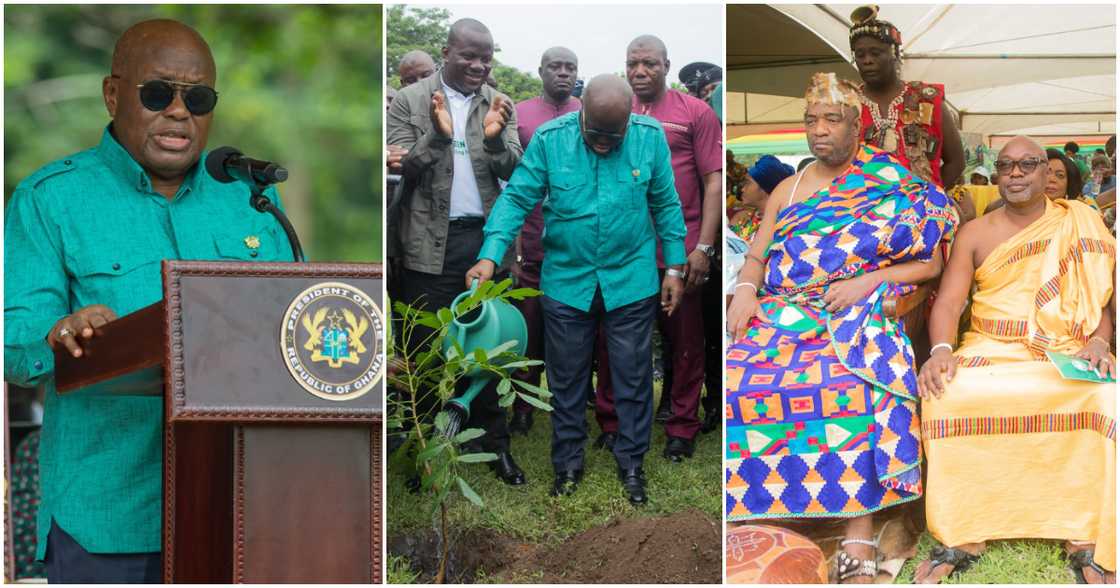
x=441 y=117
x=501 y=110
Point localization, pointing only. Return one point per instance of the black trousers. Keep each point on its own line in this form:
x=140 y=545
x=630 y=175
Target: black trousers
x=713 y=339
x=69 y=563
x=434 y=291
x=569 y=342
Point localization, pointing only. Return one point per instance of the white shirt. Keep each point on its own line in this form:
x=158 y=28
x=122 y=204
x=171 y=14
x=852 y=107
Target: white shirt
x=465 y=199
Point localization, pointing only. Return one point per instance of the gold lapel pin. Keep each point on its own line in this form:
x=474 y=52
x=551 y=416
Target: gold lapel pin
x=252 y=242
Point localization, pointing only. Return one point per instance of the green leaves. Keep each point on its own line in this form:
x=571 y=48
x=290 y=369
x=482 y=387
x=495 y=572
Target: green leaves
x=428 y=370
x=535 y=401
x=468 y=435
x=477 y=457
x=469 y=492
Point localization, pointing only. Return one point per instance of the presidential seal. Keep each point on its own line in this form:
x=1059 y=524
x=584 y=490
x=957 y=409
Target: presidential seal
x=332 y=339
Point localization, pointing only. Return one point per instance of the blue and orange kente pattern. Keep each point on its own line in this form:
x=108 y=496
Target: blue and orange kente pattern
x=821 y=407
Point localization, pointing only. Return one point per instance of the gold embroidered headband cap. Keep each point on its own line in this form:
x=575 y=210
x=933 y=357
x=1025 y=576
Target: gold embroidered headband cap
x=826 y=88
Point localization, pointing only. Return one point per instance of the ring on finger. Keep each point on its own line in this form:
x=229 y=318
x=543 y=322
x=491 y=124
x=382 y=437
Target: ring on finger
x=64 y=331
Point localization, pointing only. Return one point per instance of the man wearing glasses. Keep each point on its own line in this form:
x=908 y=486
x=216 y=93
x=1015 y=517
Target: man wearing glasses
x=85 y=236
x=1015 y=447
x=609 y=185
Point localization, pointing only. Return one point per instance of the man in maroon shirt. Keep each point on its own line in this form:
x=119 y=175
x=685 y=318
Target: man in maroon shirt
x=558 y=71
x=695 y=138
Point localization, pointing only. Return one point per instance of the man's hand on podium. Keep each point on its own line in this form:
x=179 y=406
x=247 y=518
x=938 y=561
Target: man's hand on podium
x=80 y=324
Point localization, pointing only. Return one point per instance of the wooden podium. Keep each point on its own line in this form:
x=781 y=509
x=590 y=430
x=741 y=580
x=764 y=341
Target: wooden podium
x=273 y=403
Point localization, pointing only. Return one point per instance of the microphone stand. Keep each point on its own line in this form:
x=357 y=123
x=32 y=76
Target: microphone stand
x=261 y=203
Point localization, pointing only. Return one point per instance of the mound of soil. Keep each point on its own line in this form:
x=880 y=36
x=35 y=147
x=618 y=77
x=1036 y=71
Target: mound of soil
x=681 y=548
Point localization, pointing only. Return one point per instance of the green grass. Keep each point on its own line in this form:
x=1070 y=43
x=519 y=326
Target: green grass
x=399 y=571
x=529 y=514
x=1004 y=562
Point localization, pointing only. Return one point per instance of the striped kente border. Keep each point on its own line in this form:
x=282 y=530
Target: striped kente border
x=973 y=361
x=1002 y=328
x=1039 y=423
x=1052 y=287
x=1025 y=251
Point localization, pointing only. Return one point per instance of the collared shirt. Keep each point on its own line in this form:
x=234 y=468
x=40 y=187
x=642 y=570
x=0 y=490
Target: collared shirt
x=602 y=214
x=531 y=114
x=465 y=199
x=696 y=139
x=89 y=229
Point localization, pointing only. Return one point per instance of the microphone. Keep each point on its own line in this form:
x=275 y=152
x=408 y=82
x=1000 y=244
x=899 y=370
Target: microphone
x=227 y=164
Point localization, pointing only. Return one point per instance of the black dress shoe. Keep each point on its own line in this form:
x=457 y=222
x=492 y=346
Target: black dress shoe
x=520 y=423
x=634 y=485
x=566 y=482
x=606 y=440
x=678 y=448
x=507 y=469
x=711 y=422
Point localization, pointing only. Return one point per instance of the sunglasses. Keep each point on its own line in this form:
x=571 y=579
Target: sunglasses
x=1026 y=165
x=157 y=95
x=596 y=135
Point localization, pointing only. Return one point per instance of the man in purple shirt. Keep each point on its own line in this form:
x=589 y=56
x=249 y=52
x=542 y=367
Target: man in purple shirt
x=695 y=138
x=559 y=69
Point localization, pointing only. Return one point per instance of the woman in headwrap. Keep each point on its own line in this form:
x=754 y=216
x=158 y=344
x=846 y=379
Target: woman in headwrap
x=756 y=186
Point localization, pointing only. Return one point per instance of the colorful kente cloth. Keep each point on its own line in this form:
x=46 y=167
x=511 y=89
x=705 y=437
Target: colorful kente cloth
x=820 y=407
x=1014 y=450
x=745 y=224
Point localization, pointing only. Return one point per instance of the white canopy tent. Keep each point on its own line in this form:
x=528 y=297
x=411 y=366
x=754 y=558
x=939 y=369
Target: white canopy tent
x=1038 y=69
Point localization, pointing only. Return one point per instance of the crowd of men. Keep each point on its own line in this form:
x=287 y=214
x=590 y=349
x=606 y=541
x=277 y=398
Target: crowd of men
x=834 y=411
x=608 y=202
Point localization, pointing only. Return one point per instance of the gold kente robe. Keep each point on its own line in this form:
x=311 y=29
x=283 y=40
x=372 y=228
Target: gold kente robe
x=1014 y=450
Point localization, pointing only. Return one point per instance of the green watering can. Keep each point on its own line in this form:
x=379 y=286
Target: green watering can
x=488 y=325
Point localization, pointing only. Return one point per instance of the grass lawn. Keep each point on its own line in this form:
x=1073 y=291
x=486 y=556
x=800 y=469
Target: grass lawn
x=529 y=514
x=1004 y=562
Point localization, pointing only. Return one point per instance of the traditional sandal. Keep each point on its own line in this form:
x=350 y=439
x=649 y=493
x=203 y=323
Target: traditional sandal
x=1083 y=558
x=958 y=558
x=849 y=567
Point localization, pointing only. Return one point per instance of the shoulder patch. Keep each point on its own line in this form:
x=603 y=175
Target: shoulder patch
x=645 y=120
x=53 y=169
x=562 y=121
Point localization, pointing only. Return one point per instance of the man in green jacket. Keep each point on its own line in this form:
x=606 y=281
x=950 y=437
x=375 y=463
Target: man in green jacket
x=84 y=239
x=456 y=138
x=606 y=182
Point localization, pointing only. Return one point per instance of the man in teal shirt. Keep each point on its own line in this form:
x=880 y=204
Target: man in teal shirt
x=606 y=180
x=84 y=239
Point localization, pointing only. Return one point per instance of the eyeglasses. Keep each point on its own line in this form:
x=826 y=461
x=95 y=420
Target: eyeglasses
x=1026 y=165
x=157 y=95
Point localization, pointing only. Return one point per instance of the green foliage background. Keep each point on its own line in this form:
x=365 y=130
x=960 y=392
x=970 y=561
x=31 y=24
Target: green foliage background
x=426 y=29
x=298 y=84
